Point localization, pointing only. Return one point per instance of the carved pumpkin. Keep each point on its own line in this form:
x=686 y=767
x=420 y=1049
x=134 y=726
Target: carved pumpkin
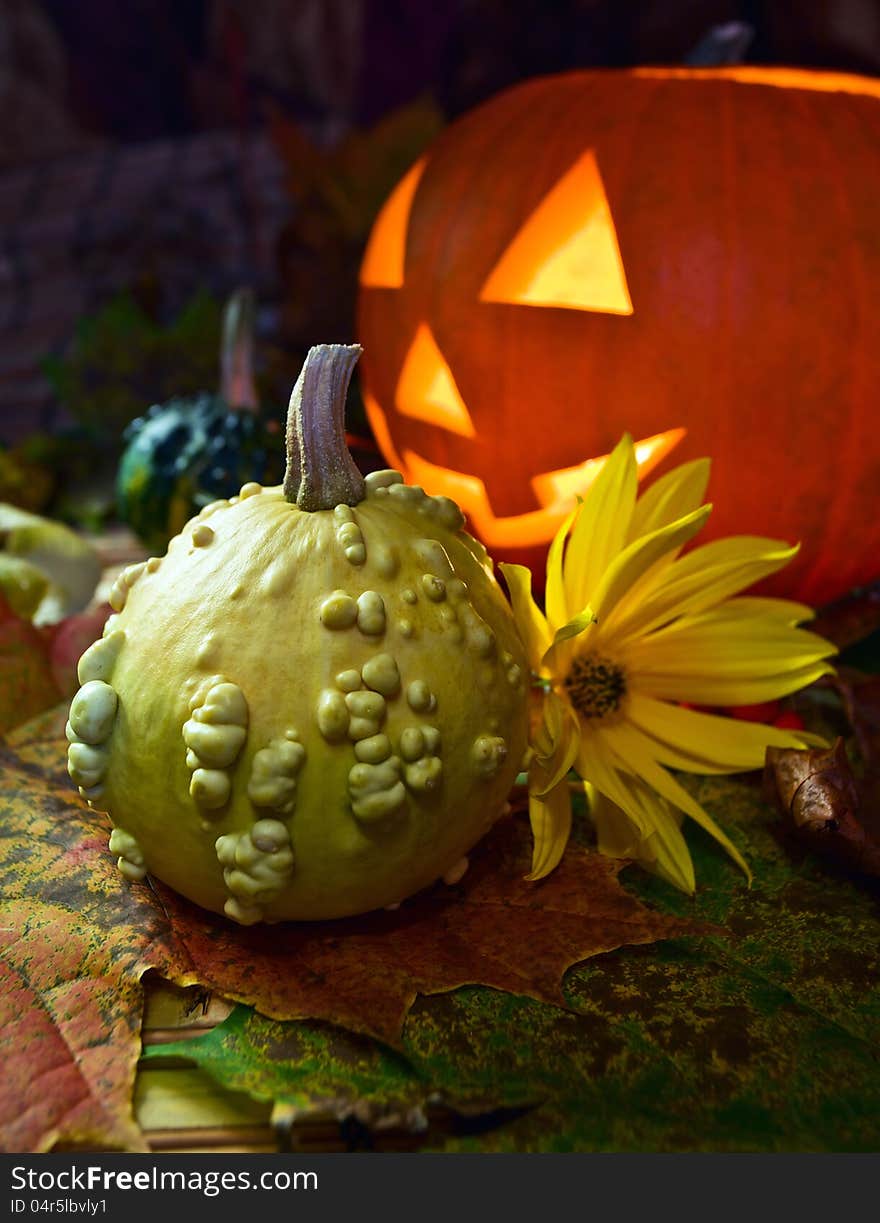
x=658 y=251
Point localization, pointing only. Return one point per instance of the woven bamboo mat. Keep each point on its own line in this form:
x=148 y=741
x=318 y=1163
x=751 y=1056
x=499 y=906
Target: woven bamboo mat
x=177 y=1105
x=182 y=1109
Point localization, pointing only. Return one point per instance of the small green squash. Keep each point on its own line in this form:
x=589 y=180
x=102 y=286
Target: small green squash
x=184 y=454
x=316 y=703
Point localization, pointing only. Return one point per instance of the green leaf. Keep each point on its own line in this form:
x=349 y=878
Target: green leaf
x=303 y=1067
x=764 y=1038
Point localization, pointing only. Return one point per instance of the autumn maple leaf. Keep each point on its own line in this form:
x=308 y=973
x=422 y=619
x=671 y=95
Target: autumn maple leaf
x=76 y=941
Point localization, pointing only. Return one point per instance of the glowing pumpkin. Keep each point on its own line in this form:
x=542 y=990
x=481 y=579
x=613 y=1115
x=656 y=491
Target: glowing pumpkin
x=658 y=251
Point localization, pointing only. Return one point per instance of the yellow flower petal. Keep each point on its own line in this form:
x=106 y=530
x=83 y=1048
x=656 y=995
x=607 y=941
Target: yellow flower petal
x=706 y=743
x=550 y=817
x=556 y=597
x=665 y=852
x=718 y=645
x=698 y=580
x=532 y=624
x=616 y=835
x=731 y=690
x=721 y=659
x=601 y=524
x=628 y=748
x=786 y=611
x=594 y=765
x=556 y=744
x=629 y=565
x=673 y=496
x=557 y=659
x=653 y=838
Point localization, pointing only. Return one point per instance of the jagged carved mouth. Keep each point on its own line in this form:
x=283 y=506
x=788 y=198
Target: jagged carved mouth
x=555 y=491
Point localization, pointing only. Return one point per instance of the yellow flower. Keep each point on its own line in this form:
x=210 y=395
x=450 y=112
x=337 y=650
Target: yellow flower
x=634 y=632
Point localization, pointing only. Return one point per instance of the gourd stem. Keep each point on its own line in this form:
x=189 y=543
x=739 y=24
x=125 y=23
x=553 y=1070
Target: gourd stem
x=237 y=386
x=320 y=472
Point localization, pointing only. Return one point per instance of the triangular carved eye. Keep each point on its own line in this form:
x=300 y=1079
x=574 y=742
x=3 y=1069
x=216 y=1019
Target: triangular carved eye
x=427 y=391
x=383 y=262
x=566 y=253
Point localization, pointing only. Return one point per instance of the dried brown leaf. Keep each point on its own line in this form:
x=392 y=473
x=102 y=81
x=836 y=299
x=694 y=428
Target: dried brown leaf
x=492 y=929
x=850 y=619
x=860 y=694
x=824 y=804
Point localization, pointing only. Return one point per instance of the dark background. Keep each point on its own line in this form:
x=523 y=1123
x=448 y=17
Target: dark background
x=155 y=154
x=90 y=70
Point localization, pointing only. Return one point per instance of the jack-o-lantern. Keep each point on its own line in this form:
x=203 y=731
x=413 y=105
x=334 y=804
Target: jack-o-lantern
x=689 y=255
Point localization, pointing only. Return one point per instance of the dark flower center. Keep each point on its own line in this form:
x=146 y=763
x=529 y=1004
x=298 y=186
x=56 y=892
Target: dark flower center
x=595 y=686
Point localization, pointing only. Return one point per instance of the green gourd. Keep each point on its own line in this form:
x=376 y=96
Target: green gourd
x=184 y=454
x=316 y=703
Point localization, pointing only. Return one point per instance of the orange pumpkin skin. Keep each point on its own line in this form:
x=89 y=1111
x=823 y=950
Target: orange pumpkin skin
x=744 y=206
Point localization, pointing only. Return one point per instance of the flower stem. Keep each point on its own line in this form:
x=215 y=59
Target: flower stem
x=320 y=472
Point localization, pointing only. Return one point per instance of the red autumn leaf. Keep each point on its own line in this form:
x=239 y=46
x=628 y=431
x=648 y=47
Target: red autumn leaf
x=70 y=638
x=72 y=952
x=76 y=940
x=27 y=685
